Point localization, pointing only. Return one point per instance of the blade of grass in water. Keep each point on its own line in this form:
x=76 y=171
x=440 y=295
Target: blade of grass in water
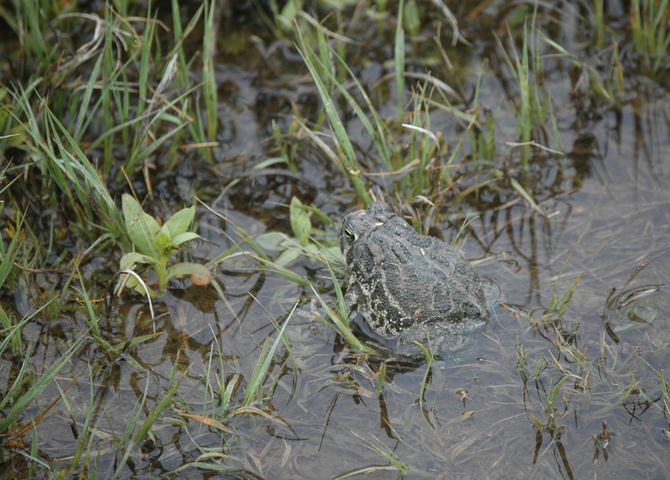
x=556 y=302
x=385 y=452
x=211 y=104
x=92 y=320
x=255 y=386
x=376 y=128
x=399 y=60
x=130 y=427
x=526 y=196
x=38 y=387
x=287 y=347
x=158 y=409
x=85 y=434
x=340 y=318
x=347 y=159
x=429 y=364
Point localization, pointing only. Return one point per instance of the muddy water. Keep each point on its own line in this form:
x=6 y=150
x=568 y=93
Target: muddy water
x=491 y=413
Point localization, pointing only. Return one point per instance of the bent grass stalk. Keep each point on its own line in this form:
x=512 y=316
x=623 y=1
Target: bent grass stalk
x=340 y=317
x=346 y=157
x=254 y=390
x=209 y=81
x=399 y=60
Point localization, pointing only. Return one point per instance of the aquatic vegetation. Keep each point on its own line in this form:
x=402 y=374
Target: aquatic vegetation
x=26 y=388
x=513 y=128
x=649 y=22
x=533 y=109
x=155 y=245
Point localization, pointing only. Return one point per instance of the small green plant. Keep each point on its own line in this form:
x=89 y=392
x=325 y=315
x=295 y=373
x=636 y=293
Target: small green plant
x=155 y=245
x=551 y=411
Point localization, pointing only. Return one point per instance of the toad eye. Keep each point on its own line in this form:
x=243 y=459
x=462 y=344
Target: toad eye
x=350 y=233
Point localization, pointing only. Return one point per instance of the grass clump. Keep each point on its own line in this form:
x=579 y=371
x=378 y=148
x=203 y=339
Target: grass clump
x=533 y=110
x=649 y=23
x=127 y=84
x=426 y=174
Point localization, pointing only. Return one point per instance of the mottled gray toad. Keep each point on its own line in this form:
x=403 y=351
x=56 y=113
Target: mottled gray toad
x=405 y=284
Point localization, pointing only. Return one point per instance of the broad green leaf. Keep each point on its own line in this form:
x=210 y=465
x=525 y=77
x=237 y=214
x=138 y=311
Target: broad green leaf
x=290 y=10
x=152 y=224
x=134 y=284
x=184 y=237
x=131 y=210
x=325 y=219
x=130 y=259
x=300 y=221
x=18 y=136
x=140 y=289
x=141 y=233
x=287 y=256
x=168 y=250
x=270 y=241
x=200 y=275
x=335 y=253
x=179 y=222
x=142 y=239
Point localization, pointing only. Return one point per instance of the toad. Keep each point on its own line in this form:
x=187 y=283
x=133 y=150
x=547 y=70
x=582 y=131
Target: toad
x=405 y=284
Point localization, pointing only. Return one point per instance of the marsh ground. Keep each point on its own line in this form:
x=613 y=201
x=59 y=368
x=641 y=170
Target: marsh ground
x=567 y=381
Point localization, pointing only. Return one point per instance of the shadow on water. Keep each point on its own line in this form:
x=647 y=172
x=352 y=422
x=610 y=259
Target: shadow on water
x=566 y=381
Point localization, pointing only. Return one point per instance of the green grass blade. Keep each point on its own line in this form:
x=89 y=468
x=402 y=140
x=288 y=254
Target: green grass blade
x=208 y=73
x=19 y=407
x=255 y=381
x=341 y=137
x=86 y=100
x=399 y=59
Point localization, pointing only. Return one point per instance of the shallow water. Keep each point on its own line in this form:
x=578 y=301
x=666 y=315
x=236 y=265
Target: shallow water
x=606 y=211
